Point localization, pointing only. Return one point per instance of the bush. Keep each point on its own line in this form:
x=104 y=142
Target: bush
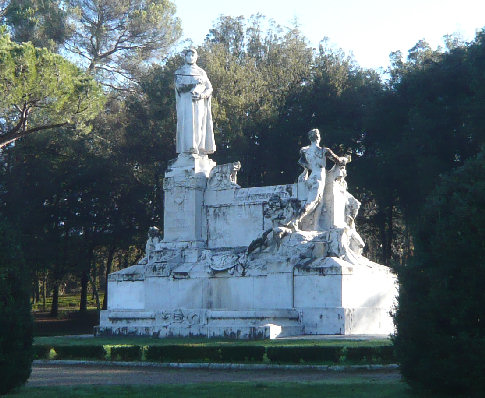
x=126 y=353
x=41 y=351
x=298 y=354
x=80 y=351
x=381 y=354
x=440 y=339
x=16 y=325
x=242 y=353
x=183 y=353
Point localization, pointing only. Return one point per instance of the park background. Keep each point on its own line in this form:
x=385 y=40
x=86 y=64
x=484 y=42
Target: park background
x=82 y=162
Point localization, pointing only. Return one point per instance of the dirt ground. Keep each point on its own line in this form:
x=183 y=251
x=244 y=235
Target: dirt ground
x=58 y=374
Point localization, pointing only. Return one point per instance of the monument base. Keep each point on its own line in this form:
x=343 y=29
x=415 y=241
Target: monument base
x=320 y=298
x=255 y=324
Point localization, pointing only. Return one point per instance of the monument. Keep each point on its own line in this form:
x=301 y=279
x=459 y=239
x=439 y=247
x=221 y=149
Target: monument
x=244 y=263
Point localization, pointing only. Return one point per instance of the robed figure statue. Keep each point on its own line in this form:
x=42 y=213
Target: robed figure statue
x=193 y=92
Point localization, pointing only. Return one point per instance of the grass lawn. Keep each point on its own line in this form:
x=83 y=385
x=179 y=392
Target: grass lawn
x=67 y=302
x=145 y=341
x=206 y=390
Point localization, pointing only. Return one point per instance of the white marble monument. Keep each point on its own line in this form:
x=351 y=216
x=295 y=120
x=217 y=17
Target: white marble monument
x=249 y=262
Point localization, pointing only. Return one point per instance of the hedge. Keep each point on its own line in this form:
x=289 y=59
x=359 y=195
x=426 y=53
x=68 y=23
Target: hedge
x=80 y=352
x=242 y=353
x=182 y=353
x=222 y=353
x=126 y=353
x=298 y=354
x=382 y=354
x=41 y=351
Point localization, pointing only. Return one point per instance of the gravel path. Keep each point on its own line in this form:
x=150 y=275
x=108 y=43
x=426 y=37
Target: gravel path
x=59 y=374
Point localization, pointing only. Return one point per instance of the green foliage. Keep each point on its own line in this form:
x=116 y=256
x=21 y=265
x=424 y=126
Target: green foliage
x=125 y=353
x=42 y=22
x=80 y=352
x=440 y=341
x=15 y=318
x=208 y=351
x=183 y=353
x=42 y=90
x=242 y=353
x=153 y=341
x=253 y=71
x=304 y=354
x=114 y=38
x=94 y=195
x=41 y=351
x=426 y=121
x=382 y=354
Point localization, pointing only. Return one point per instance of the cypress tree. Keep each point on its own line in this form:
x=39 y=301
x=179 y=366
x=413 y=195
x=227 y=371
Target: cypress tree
x=16 y=326
x=440 y=339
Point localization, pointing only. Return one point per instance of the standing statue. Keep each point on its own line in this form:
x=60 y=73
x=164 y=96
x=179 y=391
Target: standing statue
x=313 y=160
x=193 y=92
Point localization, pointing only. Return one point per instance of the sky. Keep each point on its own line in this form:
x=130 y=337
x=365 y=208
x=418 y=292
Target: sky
x=368 y=29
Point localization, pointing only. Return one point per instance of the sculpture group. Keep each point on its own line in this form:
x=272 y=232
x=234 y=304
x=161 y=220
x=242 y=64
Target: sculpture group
x=249 y=262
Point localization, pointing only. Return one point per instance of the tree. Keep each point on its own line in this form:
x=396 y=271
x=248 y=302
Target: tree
x=41 y=91
x=16 y=327
x=254 y=71
x=440 y=340
x=42 y=22
x=114 y=39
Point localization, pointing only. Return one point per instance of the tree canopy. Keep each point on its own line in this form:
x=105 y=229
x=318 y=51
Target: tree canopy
x=114 y=39
x=42 y=22
x=41 y=91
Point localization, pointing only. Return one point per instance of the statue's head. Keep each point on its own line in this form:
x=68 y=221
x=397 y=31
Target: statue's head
x=191 y=56
x=314 y=136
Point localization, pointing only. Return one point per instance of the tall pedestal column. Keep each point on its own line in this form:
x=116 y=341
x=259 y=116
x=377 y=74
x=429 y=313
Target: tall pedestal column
x=184 y=185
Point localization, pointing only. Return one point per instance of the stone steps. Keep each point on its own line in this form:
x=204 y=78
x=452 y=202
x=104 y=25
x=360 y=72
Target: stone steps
x=248 y=324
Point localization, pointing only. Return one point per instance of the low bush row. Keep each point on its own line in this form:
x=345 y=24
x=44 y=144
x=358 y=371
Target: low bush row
x=224 y=353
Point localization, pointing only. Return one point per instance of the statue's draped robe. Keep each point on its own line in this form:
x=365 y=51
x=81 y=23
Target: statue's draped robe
x=194 y=118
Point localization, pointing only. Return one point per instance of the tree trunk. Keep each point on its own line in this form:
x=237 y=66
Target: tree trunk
x=95 y=293
x=55 y=299
x=109 y=263
x=37 y=288
x=92 y=278
x=83 y=305
x=389 y=235
x=44 y=292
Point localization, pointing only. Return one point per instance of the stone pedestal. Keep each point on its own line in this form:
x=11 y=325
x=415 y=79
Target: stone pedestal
x=184 y=185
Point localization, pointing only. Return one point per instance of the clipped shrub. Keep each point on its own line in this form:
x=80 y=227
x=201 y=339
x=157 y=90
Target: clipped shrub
x=298 y=354
x=183 y=353
x=440 y=339
x=16 y=324
x=80 y=352
x=379 y=354
x=126 y=353
x=242 y=353
x=41 y=351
